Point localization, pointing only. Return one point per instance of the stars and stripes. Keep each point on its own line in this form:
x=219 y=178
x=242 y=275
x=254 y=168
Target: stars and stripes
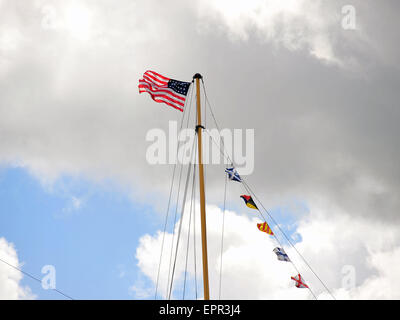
x=299 y=281
x=281 y=254
x=264 y=227
x=233 y=175
x=163 y=89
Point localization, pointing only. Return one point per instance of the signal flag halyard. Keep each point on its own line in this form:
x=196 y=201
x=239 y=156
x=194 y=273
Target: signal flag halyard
x=163 y=89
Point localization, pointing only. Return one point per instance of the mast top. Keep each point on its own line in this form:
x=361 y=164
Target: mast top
x=197 y=76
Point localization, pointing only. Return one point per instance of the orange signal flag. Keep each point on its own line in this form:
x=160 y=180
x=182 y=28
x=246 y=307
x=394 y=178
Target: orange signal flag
x=264 y=227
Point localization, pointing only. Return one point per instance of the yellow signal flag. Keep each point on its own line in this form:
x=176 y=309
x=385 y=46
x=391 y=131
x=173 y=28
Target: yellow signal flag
x=264 y=227
x=248 y=200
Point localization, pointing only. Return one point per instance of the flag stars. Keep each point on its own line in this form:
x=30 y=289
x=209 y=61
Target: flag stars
x=179 y=86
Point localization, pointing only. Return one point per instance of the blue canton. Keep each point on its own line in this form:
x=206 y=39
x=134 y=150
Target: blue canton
x=179 y=86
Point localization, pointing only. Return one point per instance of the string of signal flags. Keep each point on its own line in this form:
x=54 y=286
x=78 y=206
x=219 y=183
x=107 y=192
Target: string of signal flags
x=233 y=175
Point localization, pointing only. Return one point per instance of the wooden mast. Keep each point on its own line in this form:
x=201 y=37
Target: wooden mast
x=197 y=77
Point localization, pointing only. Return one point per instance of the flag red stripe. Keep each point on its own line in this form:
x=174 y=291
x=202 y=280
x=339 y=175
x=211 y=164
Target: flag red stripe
x=158 y=75
x=163 y=96
x=166 y=102
x=154 y=80
x=170 y=104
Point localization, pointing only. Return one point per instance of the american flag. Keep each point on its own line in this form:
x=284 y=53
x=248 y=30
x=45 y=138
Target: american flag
x=163 y=89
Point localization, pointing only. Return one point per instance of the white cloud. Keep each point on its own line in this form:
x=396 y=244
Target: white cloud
x=10 y=278
x=251 y=270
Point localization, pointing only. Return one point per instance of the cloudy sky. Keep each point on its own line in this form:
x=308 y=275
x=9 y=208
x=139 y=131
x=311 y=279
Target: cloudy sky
x=316 y=81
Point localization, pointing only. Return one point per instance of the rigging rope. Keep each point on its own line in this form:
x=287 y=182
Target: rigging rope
x=35 y=278
x=169 y=202
x=194 y=232
x=177 y=201
x=222 y=241
x=216 y=124
x=182 y=216
x=167 y=212
x=190 y=220
x=223 y=151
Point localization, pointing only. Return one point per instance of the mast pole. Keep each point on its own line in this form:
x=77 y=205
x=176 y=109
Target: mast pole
x=199 y=128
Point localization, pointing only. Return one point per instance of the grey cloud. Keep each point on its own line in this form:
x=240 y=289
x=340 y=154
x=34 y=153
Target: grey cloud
x=322 y=130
